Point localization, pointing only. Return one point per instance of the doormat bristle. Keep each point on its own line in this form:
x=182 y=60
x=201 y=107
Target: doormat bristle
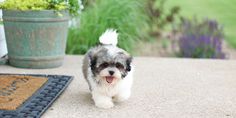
x=39 y=101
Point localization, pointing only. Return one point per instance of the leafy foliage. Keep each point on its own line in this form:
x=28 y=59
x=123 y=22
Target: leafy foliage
x=74 y=7
x=57 y=5
x=200 y=39
x=127 y=16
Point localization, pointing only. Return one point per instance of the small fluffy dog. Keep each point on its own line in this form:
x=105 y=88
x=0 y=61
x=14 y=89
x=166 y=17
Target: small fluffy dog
x=108 y=71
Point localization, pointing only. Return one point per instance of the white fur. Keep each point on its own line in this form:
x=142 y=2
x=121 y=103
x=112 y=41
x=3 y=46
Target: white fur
x=105 y=95
x=110 y=36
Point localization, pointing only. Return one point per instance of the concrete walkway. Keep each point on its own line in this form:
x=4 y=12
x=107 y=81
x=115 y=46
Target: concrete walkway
x=163 y=88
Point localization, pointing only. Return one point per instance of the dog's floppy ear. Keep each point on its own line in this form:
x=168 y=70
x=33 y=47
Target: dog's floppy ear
x=93 y=61
x=128 y=63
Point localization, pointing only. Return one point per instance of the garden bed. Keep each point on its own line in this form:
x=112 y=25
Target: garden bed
x=162 y=48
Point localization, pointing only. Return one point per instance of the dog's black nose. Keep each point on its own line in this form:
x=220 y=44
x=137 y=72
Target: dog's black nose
x=111 y=72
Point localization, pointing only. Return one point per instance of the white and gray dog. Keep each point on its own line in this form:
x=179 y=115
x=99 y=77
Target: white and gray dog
x=108 y=71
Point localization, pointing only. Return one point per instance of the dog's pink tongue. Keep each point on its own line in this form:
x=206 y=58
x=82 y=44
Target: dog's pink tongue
x=109 y=79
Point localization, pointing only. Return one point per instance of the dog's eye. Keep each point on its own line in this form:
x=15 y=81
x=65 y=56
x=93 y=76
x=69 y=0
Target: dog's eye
x=119 y=66
x=104 y=65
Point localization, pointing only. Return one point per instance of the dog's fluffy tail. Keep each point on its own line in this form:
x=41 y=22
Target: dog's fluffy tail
x=109 y=37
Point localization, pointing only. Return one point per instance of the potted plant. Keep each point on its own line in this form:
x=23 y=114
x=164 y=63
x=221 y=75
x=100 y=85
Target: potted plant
x=36 y=31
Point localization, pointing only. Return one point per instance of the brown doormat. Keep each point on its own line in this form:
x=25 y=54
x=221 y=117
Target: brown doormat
x=14 y=90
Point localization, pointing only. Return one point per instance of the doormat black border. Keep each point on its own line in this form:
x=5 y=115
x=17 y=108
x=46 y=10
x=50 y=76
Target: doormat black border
x=42 y=99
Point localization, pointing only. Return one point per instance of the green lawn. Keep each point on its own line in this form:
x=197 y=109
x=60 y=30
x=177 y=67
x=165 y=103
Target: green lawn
x=224 y=11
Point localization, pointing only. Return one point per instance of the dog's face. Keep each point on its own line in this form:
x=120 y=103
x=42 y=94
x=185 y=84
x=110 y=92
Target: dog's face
x=110 y=64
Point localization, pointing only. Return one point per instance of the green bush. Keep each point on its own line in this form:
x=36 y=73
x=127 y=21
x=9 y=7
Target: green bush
x=127 y=16
x=57 y=5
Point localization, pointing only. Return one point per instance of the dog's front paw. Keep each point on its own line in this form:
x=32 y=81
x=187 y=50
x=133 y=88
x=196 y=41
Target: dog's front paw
x=122 y=96
x=102 y=101
x=104 y=104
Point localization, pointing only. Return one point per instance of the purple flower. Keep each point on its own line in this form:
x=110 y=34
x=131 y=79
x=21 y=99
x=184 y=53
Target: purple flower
x=201 y=40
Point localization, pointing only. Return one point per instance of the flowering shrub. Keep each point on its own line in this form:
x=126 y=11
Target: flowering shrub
x=200 y=39
x=71 y=5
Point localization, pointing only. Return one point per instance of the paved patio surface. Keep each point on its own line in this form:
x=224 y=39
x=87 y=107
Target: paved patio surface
x=163 y=88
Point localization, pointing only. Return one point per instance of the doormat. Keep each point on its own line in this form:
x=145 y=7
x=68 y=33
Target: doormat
x=14 y=90
x=37 y=101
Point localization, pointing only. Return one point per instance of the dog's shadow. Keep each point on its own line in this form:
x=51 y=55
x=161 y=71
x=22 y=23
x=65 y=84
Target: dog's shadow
x=86 y=98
